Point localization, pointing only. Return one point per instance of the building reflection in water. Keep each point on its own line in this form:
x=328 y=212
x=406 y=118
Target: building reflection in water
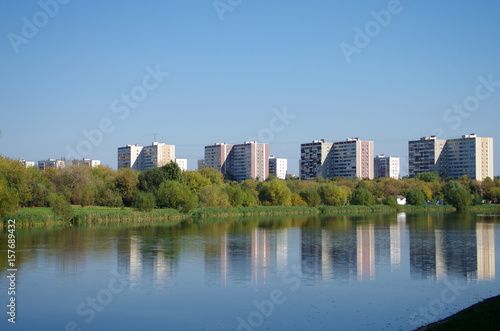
x=485 y=237
x=260 y=255
x=365 y=239
x=139 y=264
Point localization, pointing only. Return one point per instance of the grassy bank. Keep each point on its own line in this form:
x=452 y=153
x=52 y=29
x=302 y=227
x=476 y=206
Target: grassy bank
x=93 y=215
x=481 y=316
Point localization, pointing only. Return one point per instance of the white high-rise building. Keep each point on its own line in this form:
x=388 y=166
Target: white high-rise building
x=182 y=163
x=386 y=166
x=278 y=167
x=51 y=163
x=141 y=158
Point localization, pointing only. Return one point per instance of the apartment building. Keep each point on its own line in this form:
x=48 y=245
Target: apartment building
x=278 y=167
x=90 y=163
x=51 y=163
x=240 y=162
x=353 y=158
x=424 y=155
x=314 y=161
x=27 y=164
x=141 y=158
x=217 y=157
x=182 y=163
x=350 y=158
x=469 y=155
x=386 y=166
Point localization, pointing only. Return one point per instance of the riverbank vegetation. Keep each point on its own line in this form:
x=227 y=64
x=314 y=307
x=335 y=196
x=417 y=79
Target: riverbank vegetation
x=166 y=192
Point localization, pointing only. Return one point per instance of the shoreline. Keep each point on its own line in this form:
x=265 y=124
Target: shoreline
x=43 y=216
x=482 y=315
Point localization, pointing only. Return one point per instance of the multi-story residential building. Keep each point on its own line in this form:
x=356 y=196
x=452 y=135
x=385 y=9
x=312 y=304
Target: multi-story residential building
x=470 y=155
x=129 y=157
x=201 y=164
x=424 y=155
x=182 y=163
x=278 y=167
x=216 y=156
x=240 y=162
x=90 y=163
x=141 y=158
x=386 y=166
x=51 y=163
x=313 y=159
x=353 y=158
x=350 y=158
x=27 y=164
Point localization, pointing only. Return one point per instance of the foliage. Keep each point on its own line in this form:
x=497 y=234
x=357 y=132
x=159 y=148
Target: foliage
x=416 y=197
x=275 y=193
x=213 y=196
x=361 y=197
x=125 y=182
x=332 y=195
x=310 y=196
x=172 y=194
x=391 y=201
x=429 y=176
x=60 y=206
x=144 y=201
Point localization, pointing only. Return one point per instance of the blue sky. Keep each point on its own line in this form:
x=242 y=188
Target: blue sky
x=288 y=72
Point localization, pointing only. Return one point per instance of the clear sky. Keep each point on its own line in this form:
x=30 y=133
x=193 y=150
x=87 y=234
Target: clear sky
x=284 y=72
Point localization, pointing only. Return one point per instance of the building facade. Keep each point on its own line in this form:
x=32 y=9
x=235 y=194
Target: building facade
x=182 y=163
x=424 y=155
x=314 y=159
x=51 y=163
x=386 y=166
x=350 y=158
x=141 y=158
x=470 y=155
x=278 y=167
x=27 y=164
x=90 y=163
x=239 y=162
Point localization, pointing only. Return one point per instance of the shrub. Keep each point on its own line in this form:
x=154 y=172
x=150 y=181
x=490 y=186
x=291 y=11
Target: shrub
x=60 y=206
x=310 y=196
x=144 y=201
x=361 y=197
x=173 y=194
x=415 y=197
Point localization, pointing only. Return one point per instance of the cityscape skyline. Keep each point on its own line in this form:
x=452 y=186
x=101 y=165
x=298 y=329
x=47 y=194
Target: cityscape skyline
x=279 y=73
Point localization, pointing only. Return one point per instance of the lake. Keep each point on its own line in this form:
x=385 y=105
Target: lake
x=349 y=272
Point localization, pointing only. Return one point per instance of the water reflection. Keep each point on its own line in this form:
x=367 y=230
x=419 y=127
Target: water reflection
x=250 y=251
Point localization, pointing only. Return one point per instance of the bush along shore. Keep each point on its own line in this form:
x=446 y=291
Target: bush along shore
x=43 y=216
x=166 y=192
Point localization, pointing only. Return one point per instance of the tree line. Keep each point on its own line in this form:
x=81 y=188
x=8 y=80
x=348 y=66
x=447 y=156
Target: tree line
x=169 y=187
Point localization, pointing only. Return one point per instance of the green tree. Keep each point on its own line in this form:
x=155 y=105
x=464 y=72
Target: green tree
x=195 y=180
x=332 y=195
x=297 y=201
x=172 y=194
x=275 y=193
x=8 y=199
x=391 y=201
x=60 y=206
x=429 y=176
x=310 y=196
x=415 y=197
x=215 y=177
x=125 y=182
x=213 y=196
x=235 y=195
x=144 y=201
x=458 y=198
x=361 y=197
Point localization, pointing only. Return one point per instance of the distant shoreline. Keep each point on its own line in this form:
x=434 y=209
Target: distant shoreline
x=43 y=216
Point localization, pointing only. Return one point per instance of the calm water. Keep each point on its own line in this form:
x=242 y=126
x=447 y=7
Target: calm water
x=368 y=272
